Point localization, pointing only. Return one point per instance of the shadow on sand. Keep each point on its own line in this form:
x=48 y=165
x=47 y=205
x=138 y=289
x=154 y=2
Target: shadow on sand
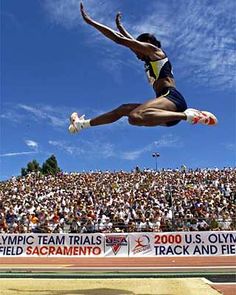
x=97 y=291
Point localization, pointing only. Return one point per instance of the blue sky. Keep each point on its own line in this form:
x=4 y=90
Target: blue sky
x=53 y=64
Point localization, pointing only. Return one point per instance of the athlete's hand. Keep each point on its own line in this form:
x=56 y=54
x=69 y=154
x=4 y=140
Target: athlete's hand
x=85 y=16
x=118 y=18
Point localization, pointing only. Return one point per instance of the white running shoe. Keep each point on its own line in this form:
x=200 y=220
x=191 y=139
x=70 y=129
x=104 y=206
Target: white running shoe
x=77 y=123
x=200 y=117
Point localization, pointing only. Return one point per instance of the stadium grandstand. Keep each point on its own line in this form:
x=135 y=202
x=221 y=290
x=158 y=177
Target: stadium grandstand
x=118 y=202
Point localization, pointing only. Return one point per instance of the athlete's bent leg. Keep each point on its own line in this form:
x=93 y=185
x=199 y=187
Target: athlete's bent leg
x=154 y=117
x=156 y=112
x=161 y=112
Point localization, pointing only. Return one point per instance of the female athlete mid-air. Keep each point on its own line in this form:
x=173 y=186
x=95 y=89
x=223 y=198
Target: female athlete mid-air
x=167 y=109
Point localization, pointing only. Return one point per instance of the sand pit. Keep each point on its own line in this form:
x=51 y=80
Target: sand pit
x=105 y=287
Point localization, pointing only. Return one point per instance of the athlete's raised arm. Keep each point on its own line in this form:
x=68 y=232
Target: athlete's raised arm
x=133 y=44
x=121 y=28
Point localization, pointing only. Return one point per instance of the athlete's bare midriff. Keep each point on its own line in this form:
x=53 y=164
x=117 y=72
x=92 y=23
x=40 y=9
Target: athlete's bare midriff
x=161 y=84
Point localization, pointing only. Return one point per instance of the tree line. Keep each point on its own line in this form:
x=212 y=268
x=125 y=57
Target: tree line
x=50 y=166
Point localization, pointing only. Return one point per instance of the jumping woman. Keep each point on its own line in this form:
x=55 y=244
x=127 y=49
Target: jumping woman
x=168 y=108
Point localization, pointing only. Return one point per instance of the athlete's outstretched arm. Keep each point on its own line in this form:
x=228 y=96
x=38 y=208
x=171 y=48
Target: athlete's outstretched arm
x=121 y=28
x=142 y=47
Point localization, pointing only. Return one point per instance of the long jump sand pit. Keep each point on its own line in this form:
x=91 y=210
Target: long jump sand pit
x=106 y=287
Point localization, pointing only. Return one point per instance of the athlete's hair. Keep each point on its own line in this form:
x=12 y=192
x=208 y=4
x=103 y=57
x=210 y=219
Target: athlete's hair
x=147 y=37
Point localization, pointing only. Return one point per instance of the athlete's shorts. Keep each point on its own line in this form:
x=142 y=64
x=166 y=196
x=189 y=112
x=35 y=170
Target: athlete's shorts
x=177 y=98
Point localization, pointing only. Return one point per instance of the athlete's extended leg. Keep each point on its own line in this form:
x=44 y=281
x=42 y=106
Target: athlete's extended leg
x=115 y=115
x=107 y=118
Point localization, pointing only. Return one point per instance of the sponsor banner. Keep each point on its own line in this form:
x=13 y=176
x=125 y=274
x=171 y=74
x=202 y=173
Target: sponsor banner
x=183 y=244
x=53 y=245
x=141 y=244
x=116 y=245
x=119 y=245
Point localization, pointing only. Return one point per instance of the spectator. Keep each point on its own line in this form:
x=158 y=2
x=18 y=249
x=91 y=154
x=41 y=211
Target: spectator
x=167 y=200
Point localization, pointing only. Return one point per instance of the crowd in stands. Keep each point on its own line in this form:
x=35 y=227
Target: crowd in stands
x=139 y=201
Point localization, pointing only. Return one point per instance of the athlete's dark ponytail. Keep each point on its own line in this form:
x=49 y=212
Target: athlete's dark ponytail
x=147 y=37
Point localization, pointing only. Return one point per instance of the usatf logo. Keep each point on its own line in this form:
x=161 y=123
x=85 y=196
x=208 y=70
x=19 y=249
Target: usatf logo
x=142 y=244
x=115 y=242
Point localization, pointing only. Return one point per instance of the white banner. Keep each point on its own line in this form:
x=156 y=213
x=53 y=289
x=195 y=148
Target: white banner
x=119 y=245
x=58 y=245
x=183 y=244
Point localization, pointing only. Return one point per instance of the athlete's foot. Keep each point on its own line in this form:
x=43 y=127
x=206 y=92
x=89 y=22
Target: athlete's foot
x=200 y=117
x=77 y=123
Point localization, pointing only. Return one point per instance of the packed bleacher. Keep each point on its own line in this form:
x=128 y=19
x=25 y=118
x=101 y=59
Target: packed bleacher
x=139 y=201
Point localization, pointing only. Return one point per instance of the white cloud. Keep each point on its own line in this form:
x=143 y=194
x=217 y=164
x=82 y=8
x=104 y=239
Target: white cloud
x=11 y=115
x=67 y=12
x=93 y=149
x=64 y=146
x=32 y=144
x=16 y=154
x=96 y=149
x=57 y=117
x=207 y=43
x=198 y=35
x=54 y=116
x=167 y=141
x=135 y=154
